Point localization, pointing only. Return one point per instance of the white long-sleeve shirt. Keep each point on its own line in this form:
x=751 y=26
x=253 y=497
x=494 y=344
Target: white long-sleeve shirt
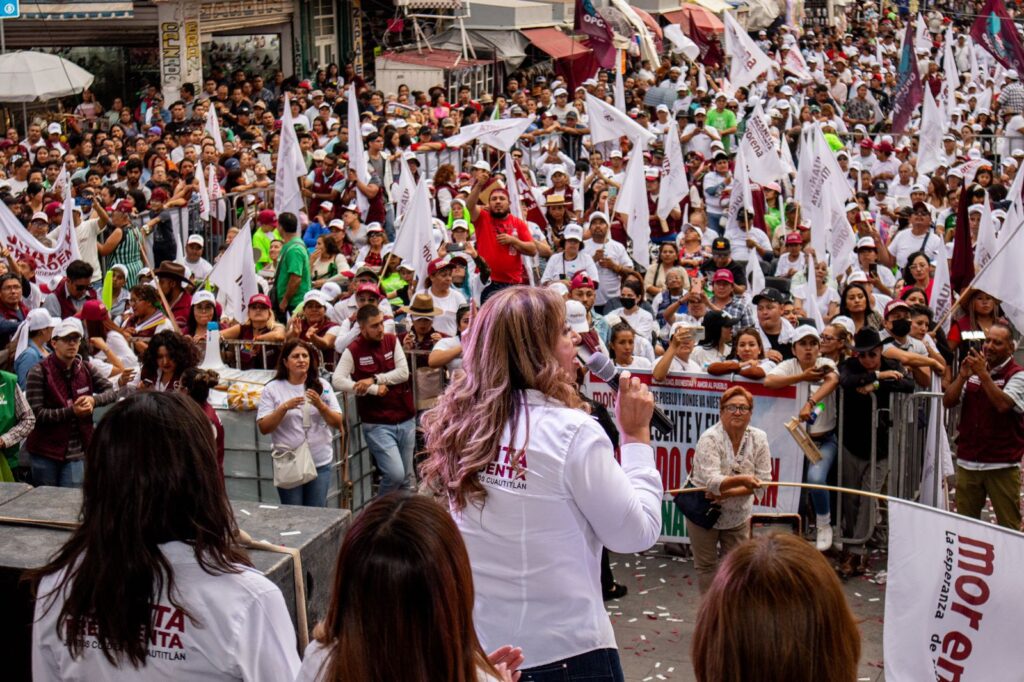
x=535 y=546
x=242 y=631
x=342 y=379
x=559 y=269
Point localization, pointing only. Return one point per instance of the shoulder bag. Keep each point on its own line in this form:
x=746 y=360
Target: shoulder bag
x=697 y=508
x=295 y=467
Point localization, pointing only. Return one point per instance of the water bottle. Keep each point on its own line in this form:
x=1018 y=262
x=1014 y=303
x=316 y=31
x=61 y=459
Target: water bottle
x=816 y=412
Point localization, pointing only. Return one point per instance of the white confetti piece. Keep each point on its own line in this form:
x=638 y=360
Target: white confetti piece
x=268 y=506
x=643 y=638
x=632 y=620
x=657 y=665
x=670 y=669
x=857 y=594
x=661 y=677
x=245 y=512
x=291 y=532
x=874 y=599
x=661 y=579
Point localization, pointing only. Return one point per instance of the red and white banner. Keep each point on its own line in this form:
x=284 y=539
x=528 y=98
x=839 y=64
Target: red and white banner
x=51 y=262
x=691 y=403
x=530 y=209
x=953 y=598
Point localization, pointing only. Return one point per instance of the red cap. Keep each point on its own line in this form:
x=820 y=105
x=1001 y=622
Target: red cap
x=306 y=85
x=883 y=147
x=53 y=208
x=159 y=194
x=266 y=217
x=123 y=206
x=582 y=281
x=723 y=275
x=499 y=190
x=437 y=264
x=794 y=238
x=93 y=311
x=260 y=299
x=866 y=144
x=369 y=286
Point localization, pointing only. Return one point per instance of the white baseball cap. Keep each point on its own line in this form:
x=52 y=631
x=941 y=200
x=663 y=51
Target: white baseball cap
x=69 y=326
x=576 y=316
x=573 y=231
x=195 y=239
x=203 y=296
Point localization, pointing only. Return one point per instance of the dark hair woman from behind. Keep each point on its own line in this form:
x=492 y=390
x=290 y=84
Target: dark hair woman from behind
x=197 y=383
x=156 y=555
x=402 y=580
x=772 y=590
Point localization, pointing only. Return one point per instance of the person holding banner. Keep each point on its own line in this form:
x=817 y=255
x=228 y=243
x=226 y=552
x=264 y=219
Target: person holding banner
x=990 y=387
x=533 y=485
x=731 y=460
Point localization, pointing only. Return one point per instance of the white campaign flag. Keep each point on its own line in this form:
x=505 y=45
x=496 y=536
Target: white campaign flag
x=748 y=60
x=702 y=78
x=949 y=64
x=820 y=179
x=936 y=450
x=922 y=38
x=356 y=152
x=933 y=127
x=290 y=167
x=680 y=42
x=212 y=126
x=674 y=185
x=1003 y=277
x=632 y=203
x=764 y=164
x=755 y=277
x=740 y=197
x=953 y=597
x=986 y=245
x=619 y=92
x=608 y=123
x=841 y=238
x=414 y=237
x=217 y=204
x=51 y=262
x=795 y=63
x=234 y=275
x=811 y=308
x=942 y=291
x=204 y=192
x=406 y=188
x=500 y=134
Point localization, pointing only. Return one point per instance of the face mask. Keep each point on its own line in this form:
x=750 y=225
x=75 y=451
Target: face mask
x=900 y=328
x=628 y=303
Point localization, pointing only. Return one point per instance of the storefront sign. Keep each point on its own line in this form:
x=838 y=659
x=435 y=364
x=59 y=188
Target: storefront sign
x=691 y=403
x=357 y=37
x=181 y=59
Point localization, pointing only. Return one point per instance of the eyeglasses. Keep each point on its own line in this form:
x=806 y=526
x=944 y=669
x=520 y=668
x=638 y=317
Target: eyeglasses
x=737 y=409
x=828 y=337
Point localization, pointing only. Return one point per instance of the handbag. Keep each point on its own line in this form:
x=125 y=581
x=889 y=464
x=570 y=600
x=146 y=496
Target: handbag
x=697 y=508
x=295 y=467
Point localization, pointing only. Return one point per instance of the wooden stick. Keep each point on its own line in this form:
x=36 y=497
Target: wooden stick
x=159 y=291
x=808 y=486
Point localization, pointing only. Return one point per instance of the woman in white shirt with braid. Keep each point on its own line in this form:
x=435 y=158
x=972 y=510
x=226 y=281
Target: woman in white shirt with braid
x=533 y=485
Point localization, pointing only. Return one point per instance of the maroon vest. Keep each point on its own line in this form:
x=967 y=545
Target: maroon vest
x=322 y=185
x=63 y=387
x=370 y=359
x=987 y=435
x=655 y=223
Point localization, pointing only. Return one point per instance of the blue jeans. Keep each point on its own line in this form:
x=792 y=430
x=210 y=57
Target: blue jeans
x=312 y=494
x=599 y=665
x=46 y=471
x=818 y=473
x=392 y=446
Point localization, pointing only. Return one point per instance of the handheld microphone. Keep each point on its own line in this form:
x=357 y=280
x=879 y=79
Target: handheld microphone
x=604 y=369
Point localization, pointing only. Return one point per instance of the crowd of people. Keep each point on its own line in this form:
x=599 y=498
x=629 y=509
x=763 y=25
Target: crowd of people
x=465 y=372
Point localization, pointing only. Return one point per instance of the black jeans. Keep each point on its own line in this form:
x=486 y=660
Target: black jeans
x=599 y=665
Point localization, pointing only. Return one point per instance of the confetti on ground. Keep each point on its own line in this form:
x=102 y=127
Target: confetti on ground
x=268 y=506
x=245 y=512
x=291 y=532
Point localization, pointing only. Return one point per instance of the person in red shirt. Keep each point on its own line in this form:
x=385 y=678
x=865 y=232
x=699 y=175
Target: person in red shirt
x=502 y=239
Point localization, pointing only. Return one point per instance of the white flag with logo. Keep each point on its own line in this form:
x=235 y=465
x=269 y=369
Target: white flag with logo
x=608 y=123
x=674 y=185
x=235 y=276
x=1003 y=277
x=922 y=38
x=764 y=164
x=406 y=188
x=795 y=63
x=740 y=197
x=949 y=64
x=290 y=167
x=841 y=238
x=680 y=42
x=933 y=127
x=819 y=177
x=356 y=152
x=936 y=452
x=414 y=238
x=500 y=134
x=986 y=245
x=748 y=60
x=811 y=308
x=953 y=598
x=204 y=192
x=755 y=278
x=212 y=126
x=942 y=291
x=632 y=203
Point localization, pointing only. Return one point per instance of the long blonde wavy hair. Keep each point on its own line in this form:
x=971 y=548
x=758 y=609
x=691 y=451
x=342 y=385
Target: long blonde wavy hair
x=509 y=348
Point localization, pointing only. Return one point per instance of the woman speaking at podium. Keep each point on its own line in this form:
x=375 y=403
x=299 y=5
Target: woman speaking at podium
x=532 y=482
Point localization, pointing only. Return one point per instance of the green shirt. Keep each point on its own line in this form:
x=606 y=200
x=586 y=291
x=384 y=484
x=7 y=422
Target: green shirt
x=261 y=240
x=294 y=260
x=722 y=120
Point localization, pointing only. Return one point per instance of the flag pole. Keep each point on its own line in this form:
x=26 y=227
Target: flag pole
x=806 y=486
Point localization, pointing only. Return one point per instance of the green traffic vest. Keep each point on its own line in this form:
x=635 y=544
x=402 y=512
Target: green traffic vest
x=8 y=413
